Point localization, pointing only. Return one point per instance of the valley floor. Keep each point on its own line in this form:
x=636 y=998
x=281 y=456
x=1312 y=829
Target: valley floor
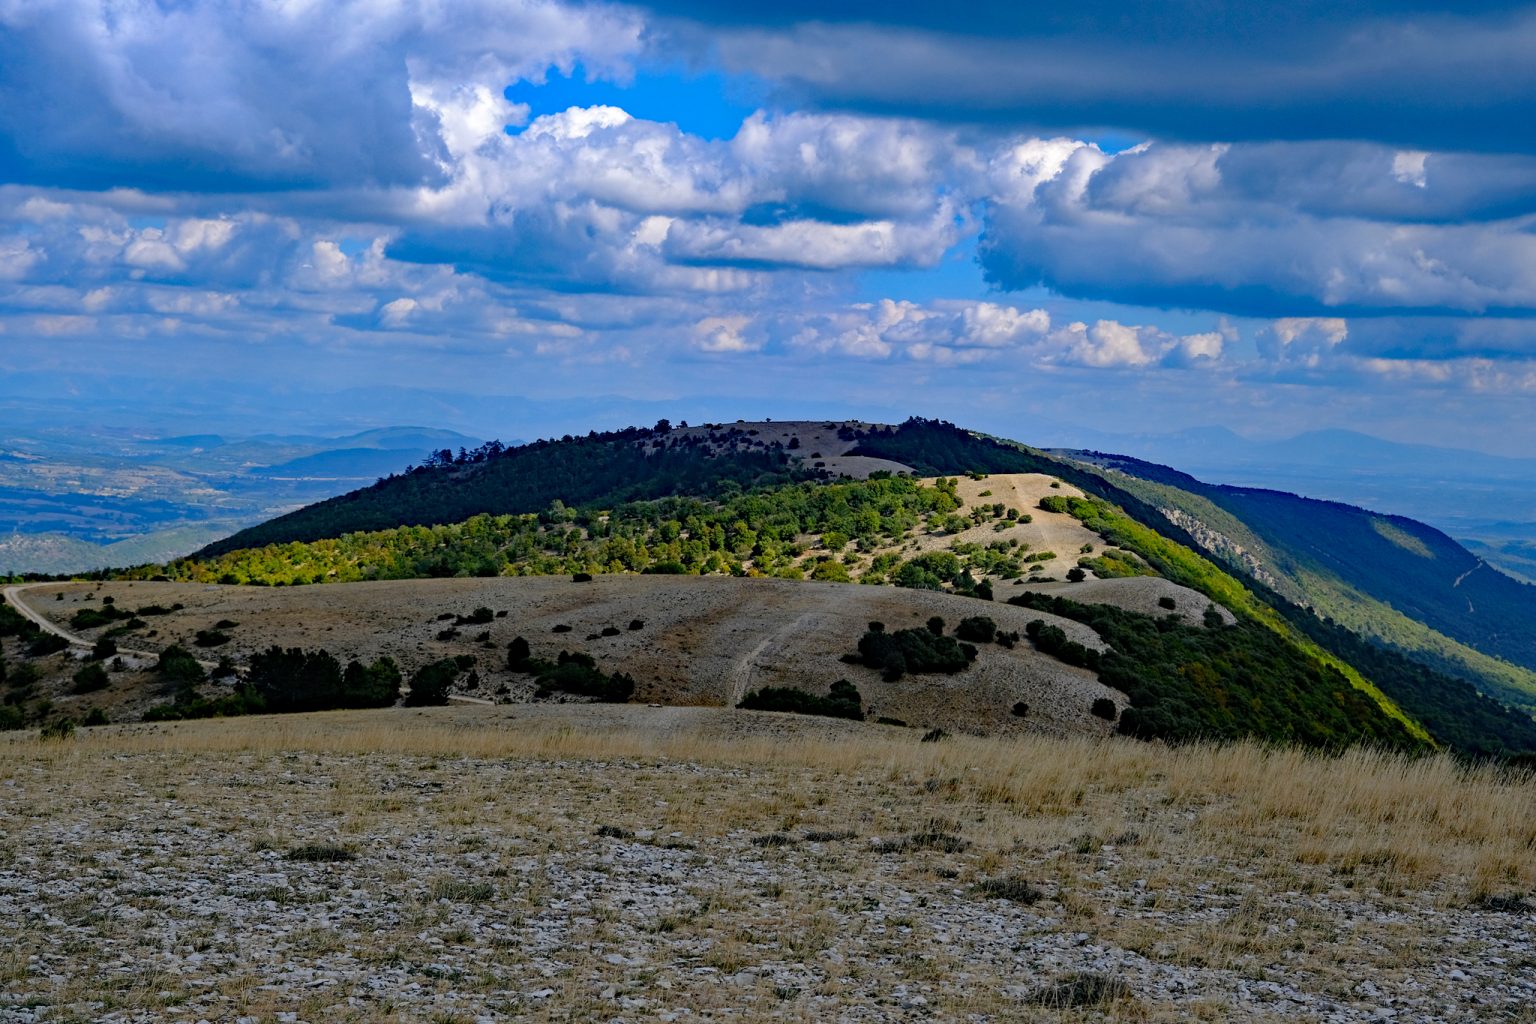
x=632 y=863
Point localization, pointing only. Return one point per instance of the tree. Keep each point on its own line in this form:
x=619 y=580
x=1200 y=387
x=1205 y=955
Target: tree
x=297 y=680
x=374 y=686
x=430 y=683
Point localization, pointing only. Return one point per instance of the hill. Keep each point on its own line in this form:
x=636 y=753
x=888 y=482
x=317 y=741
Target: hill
x=758 y=500
x=1400 y=582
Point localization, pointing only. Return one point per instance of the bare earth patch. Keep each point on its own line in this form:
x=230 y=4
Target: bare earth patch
x=629 y=863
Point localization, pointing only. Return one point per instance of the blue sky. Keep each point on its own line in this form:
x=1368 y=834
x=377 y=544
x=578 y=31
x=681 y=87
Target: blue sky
x=1108 y=216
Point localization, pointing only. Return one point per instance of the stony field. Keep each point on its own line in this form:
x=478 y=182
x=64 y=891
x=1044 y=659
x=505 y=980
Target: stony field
x=635 y=864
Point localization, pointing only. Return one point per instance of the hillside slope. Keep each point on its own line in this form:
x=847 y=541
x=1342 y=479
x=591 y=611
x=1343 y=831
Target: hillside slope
x=1398 y=581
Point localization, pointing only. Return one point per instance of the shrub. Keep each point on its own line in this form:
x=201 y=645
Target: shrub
x=46 y=644
x=104 y=648
x=298 y=680
x=374 y=686
x=177 y=667
x=90 y=618
x=1020 y=709
x=1011 y=888
x=519 y=655
x=430 y=683
x=11 y=718
x=95 y=716
x=90 y=679
x=936 y=626
x=1052 y=640
x=912 y=650
x=210 y=638
x=636 y=624
x=320 y=853
x=1104 y=708
x=1076 y=575
x=1167 y=602
x=578 y=674
x=842 y=701
x=977 y=628
x=57 y=730
x=478 y=617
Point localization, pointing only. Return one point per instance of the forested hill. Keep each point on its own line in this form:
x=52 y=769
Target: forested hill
x=1411 y=568
x=599 y=469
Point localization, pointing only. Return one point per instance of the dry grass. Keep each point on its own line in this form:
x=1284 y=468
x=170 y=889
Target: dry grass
x=480 y=874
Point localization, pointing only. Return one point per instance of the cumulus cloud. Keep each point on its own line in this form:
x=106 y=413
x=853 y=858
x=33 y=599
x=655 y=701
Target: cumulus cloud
x=1197 y=226
x=219 y=97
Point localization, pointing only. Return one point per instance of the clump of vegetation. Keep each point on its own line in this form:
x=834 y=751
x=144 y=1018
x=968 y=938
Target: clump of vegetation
x=1052 y=640
x=1186 y=682
x=320 y=853
x=57 y=731
x=91 y=678
x=1013 y=888
x=210 y=638
x=913 y=650
x=842 y=701
x=46 y=644
x=90 y=618
x=575 y=673
x=977 y=629
x=1083 y=989
x=430 y=684
x=178 y=668
x=1104 y=708
x=479 y=617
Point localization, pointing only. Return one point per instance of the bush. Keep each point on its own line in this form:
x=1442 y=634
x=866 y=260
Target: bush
x=298 y=680
x=104 y=648
x=1053 y=640
x=912 y=650
x=1104 y=708
x=95 y=716
x=90 y=618
x=46 y=644
x=11 y=718
x=977 y=628
x=842 y=701
x=578 y=674
x=478 y=617
x=177 y=667
x=91 y=679
x=374 y=686
x=430 y=683
x=1167 y=602
x=57 y=730
x=1076 y=575
x=210 y=638
x=936 y=626
x=519 y=655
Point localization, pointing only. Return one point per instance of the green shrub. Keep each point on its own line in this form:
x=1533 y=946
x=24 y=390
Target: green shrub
x=210 y=638
x=977 y=629
x=373 y=686
x=578 y=674
x=842 y=701
x=913 y=650
x=1104 y=708
x=90 y=679
x=95 y=716
x=1052 y=640
x=430 y=683
x=298 y=680
x=103 y=648
x=11 y=718
x=58 y=730
x=519 y=655
x=46 y=644
x=177 y=667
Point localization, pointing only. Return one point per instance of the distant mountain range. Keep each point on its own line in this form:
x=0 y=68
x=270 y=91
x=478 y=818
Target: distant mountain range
x=1488 y=502
x=73 y=500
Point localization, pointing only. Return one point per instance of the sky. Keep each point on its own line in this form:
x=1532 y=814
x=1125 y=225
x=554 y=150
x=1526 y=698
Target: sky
x=1025 y=218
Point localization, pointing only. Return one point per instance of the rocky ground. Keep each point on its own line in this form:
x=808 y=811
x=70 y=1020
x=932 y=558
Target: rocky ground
x=468 y=864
